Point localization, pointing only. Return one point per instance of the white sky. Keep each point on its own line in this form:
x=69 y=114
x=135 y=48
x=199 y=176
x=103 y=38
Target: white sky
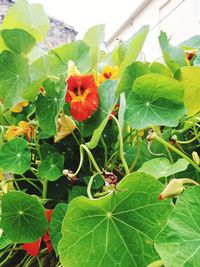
x=82 y=14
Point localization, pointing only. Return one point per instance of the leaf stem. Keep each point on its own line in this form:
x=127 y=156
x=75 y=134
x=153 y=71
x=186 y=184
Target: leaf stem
x=136 y=157
x=89 y=186
x=121 y=147
x=82 y=148
x=180 y=153
x=105 y=150
x=44 y=191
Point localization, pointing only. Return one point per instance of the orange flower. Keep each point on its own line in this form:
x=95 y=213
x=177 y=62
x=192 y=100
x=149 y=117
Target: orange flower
x=82 y=94
x=19 y=107
x=23 y=128
x=108 y=73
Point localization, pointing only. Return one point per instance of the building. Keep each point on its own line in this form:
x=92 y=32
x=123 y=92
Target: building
x=180 y=19
x=58 y=34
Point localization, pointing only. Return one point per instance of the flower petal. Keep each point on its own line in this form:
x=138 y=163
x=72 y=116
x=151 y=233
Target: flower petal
x=32 y=248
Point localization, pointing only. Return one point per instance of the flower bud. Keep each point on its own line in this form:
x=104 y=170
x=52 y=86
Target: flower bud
x=196 y=158
x=173 y=189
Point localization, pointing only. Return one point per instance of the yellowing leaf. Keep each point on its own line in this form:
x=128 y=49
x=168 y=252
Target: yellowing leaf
x=190 y=77
x=19 y=107
x=65 y=127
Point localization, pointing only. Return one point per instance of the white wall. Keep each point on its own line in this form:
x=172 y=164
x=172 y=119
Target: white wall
x=183 y=23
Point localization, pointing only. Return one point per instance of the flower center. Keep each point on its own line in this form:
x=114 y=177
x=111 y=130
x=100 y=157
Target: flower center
x=107 y=75
x=78 y=91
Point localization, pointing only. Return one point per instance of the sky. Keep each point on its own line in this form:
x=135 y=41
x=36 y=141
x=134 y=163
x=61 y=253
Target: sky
x=82 y=14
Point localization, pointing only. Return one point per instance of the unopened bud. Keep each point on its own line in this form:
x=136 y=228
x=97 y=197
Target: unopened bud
x=196 y=158
x=173 y=189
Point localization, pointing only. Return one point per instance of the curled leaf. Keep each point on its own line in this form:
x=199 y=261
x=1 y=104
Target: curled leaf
x=65 y=127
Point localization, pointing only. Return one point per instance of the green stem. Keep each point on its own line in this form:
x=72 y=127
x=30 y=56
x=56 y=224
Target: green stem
x=127 y=171
x=196 y=133
x=180 y=153
x=8 y=256
x=89 y=186
x=44 y=191
x=189 y=141
x=169 y=155
x=136 y=157
x=82 y=148
x=105 y=150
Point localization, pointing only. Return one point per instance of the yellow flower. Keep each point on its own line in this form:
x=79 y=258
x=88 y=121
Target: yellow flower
x=23 y=128
x=19 y=107
x=108 y=73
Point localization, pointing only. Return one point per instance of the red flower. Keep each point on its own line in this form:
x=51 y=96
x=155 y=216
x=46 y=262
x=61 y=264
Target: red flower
x=82 y=94
x=34 y=247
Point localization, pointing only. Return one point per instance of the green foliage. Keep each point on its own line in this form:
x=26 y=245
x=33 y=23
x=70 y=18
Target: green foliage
x=29 y=17
x=14 y=78
x=97 y=123
x=178 y=242
x=161 y=167
x=51 y=167
x=155 y=100
x=129 y=50
x=18 y=40
x=94 y=37
x=174 y=56
x=23 y=217
x=130 y=74
x=190 y=77
x=98 y=174
x=56 y=224
x=122 y=221
x=48 y=106
x=15 y=156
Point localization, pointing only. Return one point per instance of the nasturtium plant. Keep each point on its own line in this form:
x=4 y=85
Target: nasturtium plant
x=23 y=217
x=126 y=223
x=29 y=17
x=161 y=167
x=155 y=100
x=99 y=150
x=15 y=156
x=14 y=77
x=178 y=242
x=56 y=224
x=51 y=167
x=49 y=105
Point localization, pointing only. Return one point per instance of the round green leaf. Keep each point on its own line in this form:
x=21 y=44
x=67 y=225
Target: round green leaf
x=178 y=243
x=23 y=217
x=159 y=68
x=18 y=40
x=56 y=224
x=51 y=168
x=15 y=156
x=129 y=75
x=161 y=167
x=155 y=100
x=14 y=78
x=30 y=17
x=116 y=230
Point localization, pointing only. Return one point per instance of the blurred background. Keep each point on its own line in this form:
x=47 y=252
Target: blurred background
x=70 y=19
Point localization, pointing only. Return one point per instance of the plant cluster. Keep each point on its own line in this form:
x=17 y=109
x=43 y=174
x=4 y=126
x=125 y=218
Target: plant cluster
x=99 y=152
